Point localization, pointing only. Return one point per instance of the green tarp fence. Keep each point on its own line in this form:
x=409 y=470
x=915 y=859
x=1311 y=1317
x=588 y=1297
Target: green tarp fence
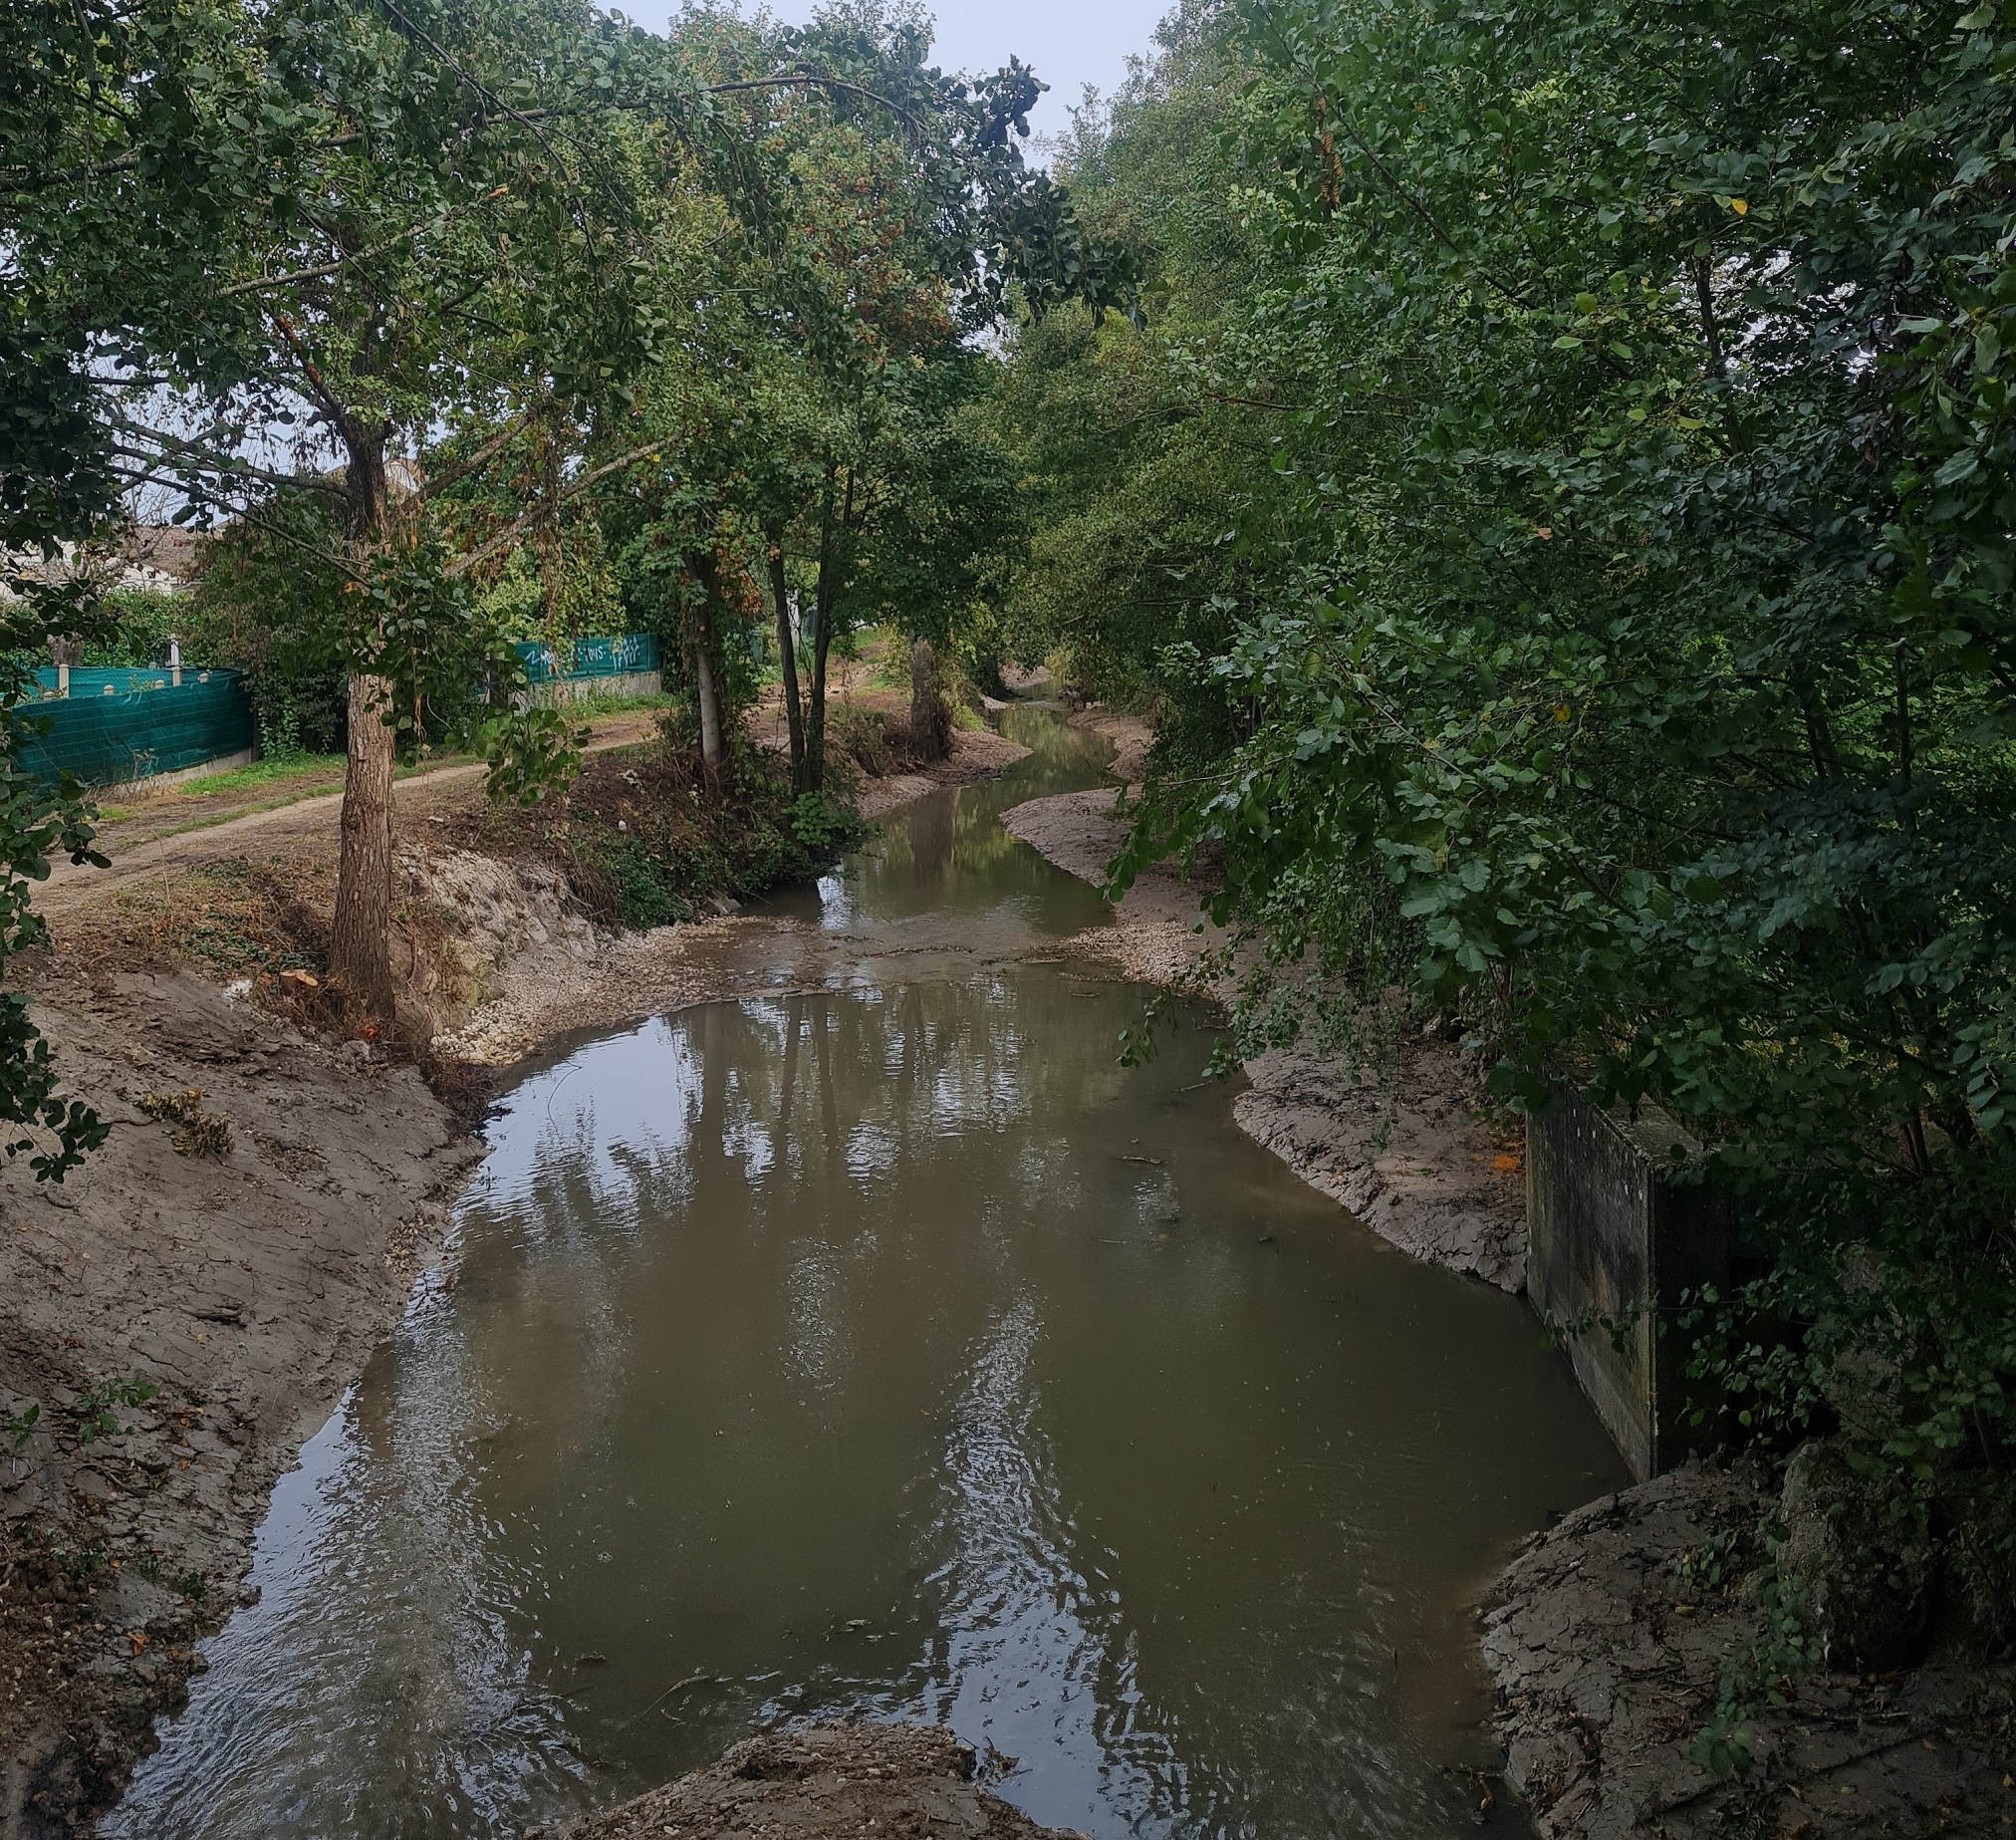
x=122 y=726
x=586 y=658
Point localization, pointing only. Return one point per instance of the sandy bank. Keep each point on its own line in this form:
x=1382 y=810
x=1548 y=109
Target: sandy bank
x=822 y=1782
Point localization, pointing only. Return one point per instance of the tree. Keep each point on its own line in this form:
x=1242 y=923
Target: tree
x=1612 y=609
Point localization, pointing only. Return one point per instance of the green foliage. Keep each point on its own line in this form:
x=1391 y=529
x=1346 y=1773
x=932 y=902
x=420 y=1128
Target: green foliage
x=679 y=851
x=56 y=1133
x=1560 y=494
x=96 y=1405
x=146 y=617
x=1758 y=1677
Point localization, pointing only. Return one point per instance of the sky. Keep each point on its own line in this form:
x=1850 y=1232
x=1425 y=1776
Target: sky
x=1069 y=43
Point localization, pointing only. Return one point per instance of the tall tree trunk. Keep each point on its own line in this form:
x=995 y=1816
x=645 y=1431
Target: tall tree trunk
x=359 y=945
x=927 y=733
x=786 y=655
x=707 y=671
x=710 y=708
x=821 y=638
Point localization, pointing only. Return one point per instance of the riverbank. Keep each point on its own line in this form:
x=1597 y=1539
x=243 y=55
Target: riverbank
x=1608 y=1637
x=182 y=1312
x=1412 y=1153
x=1607 y=1644
x=178 y=1316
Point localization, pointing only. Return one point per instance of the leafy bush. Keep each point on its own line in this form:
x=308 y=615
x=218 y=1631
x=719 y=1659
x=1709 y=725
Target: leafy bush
x=645 y=848
x=143 y=619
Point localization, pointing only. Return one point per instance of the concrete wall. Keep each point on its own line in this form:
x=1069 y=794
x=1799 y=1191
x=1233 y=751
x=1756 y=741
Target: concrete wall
x=1616 y=1224
x=558 y=692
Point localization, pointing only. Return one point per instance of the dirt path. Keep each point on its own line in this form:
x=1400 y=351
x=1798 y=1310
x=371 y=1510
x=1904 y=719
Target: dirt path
x=301 y=821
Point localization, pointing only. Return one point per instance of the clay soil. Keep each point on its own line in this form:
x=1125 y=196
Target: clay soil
x=1607 y=1652
x=187 y=1308
x=176 y=1317
x=821 y=1782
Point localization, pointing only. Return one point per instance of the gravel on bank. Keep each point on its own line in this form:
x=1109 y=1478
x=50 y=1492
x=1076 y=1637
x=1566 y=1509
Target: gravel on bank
x=823 y=1782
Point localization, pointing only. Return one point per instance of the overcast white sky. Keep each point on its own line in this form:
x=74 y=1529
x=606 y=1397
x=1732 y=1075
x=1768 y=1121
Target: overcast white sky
x=1070 y=43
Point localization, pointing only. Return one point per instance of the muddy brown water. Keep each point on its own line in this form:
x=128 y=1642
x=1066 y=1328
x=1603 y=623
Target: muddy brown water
x=886 y=1348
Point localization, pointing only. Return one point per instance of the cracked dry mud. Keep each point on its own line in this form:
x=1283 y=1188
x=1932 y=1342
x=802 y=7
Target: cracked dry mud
x=1607 y=1664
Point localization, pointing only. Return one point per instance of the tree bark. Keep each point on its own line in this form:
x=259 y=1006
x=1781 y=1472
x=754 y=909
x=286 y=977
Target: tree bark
x=787 y=655
x=927 y=734
x=710 y=707
x=359 y=945
x=821 y=638
x=1704 y=297
x=360 y=950
x=706 y=674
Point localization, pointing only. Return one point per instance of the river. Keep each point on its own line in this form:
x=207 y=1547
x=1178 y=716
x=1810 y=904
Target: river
x=878 y=1345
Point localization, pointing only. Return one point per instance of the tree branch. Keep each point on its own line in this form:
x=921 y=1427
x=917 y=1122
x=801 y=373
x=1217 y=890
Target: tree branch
x=511 y=532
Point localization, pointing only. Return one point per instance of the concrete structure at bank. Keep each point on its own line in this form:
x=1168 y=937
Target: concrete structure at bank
x=1621 y=1225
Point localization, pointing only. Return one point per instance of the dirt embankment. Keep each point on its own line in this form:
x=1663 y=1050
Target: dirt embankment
x=1607 y=1647
x=823 y=1782
x=1413 y=1155
x=175 y=1319
x=181 y=1313
x=973 y=753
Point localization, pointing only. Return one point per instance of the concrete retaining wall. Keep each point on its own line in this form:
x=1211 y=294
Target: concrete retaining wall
x=558 y=692
x=1618 y=1228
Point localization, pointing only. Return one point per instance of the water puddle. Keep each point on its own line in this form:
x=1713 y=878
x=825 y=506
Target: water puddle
x=887 y=1349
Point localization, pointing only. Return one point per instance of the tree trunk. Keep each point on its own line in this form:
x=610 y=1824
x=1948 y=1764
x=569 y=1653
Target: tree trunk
x=822 y=639
x=706 y=674
x=711 y=709
x=360 y=950
x=786 y=655
x=927 y=733
x=359 y=945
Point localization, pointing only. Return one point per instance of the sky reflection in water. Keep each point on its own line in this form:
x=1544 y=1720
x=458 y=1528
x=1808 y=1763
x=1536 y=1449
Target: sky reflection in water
x=892 y=1351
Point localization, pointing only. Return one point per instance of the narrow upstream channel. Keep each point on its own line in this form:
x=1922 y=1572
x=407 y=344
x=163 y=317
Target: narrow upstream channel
x=881 y=1346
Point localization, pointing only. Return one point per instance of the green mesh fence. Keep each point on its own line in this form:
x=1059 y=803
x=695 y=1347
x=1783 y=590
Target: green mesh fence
x=591 y=657
x=120 y=725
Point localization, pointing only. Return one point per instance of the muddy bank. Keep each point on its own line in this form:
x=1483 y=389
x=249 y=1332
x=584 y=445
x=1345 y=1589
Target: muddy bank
x=973 y=753
x=1609 y=1634
x=1607 y=1646
x=174 y=1320
x=823 y=1782
x=1411 y=1153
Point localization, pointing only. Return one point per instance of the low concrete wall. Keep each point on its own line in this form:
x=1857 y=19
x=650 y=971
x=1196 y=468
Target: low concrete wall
x=558 y=692
x=159 y=782
x=1618 y=1227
